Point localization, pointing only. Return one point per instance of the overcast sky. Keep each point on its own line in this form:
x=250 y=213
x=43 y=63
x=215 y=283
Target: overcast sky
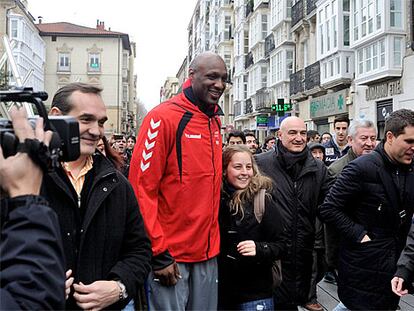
x=159 y=27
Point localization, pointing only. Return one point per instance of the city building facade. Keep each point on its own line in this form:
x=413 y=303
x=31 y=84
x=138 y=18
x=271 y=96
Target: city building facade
x=28 y=48
x=98 y=56
x=316 y=59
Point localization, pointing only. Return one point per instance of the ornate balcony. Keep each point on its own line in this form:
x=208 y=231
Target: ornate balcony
x=248 y=106
x=249 y=7
x=297 y=12
x=310 y=6
x=248 y=60
x=296 y=82
x=237 y=109
x=312 y=76
x=269 y=44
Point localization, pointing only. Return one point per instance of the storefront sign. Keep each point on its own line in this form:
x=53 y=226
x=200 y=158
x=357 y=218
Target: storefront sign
x=262 y=121
x=385 y=89
x=328 y=105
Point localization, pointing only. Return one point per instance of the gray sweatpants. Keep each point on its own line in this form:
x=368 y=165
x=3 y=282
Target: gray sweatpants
x=197 y=290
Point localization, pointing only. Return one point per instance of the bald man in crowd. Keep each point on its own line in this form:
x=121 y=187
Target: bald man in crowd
x=300 y=185
x=176 y=174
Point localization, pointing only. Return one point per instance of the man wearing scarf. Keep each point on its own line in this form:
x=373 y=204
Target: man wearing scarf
x=176 y=174
x=300 y=185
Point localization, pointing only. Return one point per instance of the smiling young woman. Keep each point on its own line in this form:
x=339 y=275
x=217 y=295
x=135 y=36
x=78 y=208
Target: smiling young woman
x=248 y=247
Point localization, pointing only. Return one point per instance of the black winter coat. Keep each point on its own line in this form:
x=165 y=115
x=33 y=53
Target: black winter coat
x=297 y=201
x=365 y=199
x=110 y=243
x=243 y=278
x=32 y=260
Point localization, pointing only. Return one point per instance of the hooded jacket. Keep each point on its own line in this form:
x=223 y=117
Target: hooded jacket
x=176 y=171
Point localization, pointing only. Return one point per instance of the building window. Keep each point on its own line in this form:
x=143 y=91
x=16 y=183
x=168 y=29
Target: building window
x=396 y=13
x=321 y=37
x=125 y=60
x=360 y=61
x=289 y=63
x=279 y=66
x=305 y=53
x=264 y=26
x=345 y=5
x=331 y=68
x=397 y=51
x=378 y=12
x=94 y=62
x=289 y=9
x=356 y=29
x=328 y=37
x=335 y=33
x=14 y=28
x=347 y=64
x=382 y=52
x=64 y=64
x=374 y=56
x=368 y=56
x=338 y=66
x=346 y=30
x=264 y=76
x=125 y=93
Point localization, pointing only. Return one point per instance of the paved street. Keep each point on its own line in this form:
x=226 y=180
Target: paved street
x=328 y=298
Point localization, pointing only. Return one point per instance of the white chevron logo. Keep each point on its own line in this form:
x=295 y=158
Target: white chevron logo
x=146 y=156
x=148 y=145
x=154 y=125
x=144 y=167
x=151 y=136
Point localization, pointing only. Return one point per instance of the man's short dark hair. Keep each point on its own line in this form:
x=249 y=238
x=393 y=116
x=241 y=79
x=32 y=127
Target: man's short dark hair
x=132 y=137
x=61 y=98
x=397 y=121
x=250 y=134
x=268 y=138
x=236 y=133
x=342 y=119
x=311 y=134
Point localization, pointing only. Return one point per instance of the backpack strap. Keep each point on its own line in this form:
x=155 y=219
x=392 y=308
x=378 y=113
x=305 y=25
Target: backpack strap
x=259 y=205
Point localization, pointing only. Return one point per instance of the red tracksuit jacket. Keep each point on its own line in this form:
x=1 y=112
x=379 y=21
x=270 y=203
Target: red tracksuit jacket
x=176 y=175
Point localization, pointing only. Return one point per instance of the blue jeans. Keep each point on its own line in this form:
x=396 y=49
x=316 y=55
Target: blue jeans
x=340 y=307
x=257 y=305
x=129 y=306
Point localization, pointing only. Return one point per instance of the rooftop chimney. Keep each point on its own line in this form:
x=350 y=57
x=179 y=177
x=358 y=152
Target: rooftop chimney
x=40 y=19
x=101 y=26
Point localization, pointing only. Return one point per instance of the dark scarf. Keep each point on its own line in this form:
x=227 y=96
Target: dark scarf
x=209 y=110
x=291 y=162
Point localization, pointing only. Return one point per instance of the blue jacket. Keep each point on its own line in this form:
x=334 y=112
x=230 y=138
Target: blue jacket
x=332 y=151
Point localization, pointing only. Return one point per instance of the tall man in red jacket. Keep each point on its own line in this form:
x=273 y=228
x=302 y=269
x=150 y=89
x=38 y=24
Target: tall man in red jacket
x=176 y=174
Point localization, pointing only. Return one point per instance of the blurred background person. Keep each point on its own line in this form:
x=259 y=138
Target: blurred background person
x=325 y=137
x=236 y=138
x=269 y=143
x=251 y=142
x=313 y=136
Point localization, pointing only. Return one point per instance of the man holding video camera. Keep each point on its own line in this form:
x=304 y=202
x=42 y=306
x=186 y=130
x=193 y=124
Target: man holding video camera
x=106 y=247
x=32 y=259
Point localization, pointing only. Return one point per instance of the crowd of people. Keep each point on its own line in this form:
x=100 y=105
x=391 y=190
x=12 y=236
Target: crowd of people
x=172 y=220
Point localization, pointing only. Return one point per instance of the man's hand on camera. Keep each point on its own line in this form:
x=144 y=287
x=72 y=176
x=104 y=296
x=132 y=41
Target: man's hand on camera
x=18 y=174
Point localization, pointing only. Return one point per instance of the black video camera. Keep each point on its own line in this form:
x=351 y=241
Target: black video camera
x=65 y=143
